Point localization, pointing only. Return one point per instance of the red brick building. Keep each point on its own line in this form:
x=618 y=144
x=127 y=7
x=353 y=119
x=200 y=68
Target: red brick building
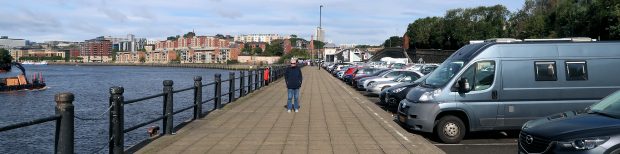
x=98 y=47
x=287 y=46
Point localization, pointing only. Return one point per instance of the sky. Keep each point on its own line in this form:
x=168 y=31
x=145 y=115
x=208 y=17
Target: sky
x=344 y=21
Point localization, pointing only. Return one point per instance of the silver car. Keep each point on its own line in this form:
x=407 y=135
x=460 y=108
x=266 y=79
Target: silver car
x=390 y=75
x=377 y=87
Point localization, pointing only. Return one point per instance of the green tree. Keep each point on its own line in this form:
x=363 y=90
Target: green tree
x=274 y=49
x=189 y=35
x=257 y=51
x=114 y=52
x=246 y=49
x=5 y=56
x=393 y=41
x=318 y=44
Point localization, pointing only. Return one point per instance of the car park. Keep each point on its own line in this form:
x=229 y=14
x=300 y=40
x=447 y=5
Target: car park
x=500 y=84
x=595 y=130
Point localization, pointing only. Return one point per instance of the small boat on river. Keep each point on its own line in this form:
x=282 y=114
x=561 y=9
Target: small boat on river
x=20 y=82
x=34 y=63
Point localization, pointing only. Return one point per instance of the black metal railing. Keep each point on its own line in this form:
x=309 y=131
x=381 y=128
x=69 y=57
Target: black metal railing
x=64 y=117
x=254 y=80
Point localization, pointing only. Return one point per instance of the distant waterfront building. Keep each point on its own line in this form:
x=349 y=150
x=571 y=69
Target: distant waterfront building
x=197 y=49
x=267 y=38
x=330 y=50
x=9 y=43
x=97 y=50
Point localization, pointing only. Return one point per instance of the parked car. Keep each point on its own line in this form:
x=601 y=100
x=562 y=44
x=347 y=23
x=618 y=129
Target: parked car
x=597 y=130
x=358 y=71
x=393 y=95
x=428 y=68
x=500 y=85
x=377 y=87
x=385 y=77
x=377 y=72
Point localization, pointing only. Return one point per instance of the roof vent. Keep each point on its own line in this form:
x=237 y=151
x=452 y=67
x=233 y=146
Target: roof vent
x=503 y=40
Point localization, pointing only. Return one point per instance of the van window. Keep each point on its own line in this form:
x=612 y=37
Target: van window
x=545 y=71
x=576 y=70
x=481 y=75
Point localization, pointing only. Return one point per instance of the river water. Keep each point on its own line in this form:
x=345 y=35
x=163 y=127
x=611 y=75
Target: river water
x=91 y=84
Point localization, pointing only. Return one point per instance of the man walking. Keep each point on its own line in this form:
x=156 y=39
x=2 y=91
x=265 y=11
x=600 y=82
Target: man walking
x=293 y=79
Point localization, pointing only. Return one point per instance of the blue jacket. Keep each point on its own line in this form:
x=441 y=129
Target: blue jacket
x=293 y=77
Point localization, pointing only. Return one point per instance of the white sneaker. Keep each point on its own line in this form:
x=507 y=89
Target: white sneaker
x=289 y=111
x=296 y=110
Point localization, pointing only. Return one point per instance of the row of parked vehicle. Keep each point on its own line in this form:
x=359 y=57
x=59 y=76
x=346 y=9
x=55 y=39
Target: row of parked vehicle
x=561 y=93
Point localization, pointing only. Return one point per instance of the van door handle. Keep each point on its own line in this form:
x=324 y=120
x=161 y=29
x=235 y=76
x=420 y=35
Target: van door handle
x=494 y=94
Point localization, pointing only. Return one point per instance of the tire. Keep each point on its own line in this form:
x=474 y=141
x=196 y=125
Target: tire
x=450 y=129
x=385 y=87
x=369 y=83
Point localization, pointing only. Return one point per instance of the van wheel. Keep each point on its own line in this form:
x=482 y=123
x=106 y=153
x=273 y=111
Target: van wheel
x=450 y=129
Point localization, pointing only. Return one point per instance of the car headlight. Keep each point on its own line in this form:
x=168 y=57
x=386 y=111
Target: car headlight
x=583 y=144
x=429 y=96
x=397 y=90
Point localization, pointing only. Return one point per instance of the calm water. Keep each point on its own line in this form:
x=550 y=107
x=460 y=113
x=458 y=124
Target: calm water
x=90 y=84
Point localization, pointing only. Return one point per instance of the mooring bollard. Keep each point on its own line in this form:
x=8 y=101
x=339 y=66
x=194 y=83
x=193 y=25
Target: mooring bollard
x=65 y=127
x=241 y=83
x=218 y=92
x=231 y=87
x=197 y=97
x=117 y=120
x=168 y=107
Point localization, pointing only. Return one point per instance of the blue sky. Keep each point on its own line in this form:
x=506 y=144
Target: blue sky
x=345 y=21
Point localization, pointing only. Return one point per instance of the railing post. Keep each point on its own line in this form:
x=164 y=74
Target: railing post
x=197 y=97
x=218 y=91
x=117 y=120
x=250 y=81
x=65 y=136
x=256 y=79
x=262 y=77
x=241 y=83
x=168 y=107
x=231 y=87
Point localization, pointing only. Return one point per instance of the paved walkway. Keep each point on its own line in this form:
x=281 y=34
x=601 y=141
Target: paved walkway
x=333 y=119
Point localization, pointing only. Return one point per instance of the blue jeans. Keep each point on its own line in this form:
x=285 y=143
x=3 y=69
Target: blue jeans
x=293 y=94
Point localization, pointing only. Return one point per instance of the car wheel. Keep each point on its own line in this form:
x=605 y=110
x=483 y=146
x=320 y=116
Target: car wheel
x=385 y=87
x=616 y=151
x=450 y=129
x=369 y=83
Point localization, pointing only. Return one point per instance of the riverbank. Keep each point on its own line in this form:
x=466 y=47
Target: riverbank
x=210 y=66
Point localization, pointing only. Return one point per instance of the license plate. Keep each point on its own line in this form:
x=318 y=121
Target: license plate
x=402 y=118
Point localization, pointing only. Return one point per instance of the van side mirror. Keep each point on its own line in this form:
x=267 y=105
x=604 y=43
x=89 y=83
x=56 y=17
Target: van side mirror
x=463 y=84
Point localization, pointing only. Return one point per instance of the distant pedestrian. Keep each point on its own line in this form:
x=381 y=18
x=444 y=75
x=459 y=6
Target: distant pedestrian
x=266 y=76
x=293 y=79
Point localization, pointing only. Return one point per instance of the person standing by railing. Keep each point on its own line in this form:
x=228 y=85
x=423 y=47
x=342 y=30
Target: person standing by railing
x=266 y=75
x=293 y=78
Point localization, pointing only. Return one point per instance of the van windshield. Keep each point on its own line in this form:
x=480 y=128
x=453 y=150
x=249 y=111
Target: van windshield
x=443 y=73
